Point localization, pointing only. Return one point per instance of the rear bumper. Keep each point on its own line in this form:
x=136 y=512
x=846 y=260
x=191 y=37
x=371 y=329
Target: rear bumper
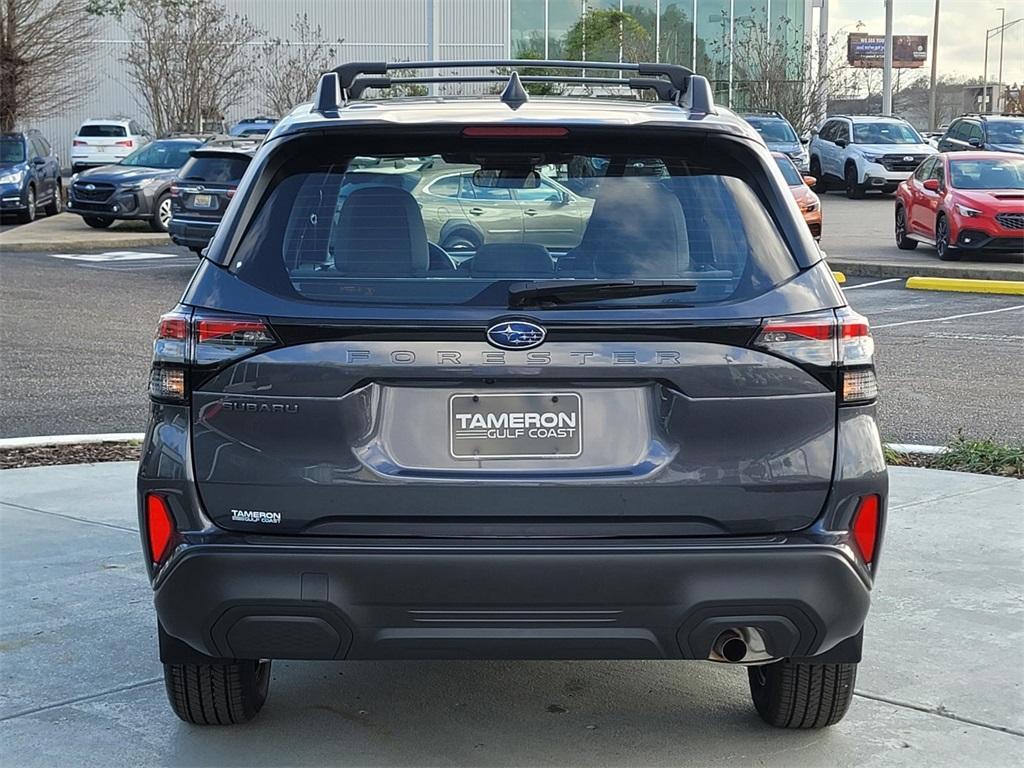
x=192 y=233
x=508 y=600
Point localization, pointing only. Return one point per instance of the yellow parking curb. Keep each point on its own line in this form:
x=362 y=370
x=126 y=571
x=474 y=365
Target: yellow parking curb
x=839 y=276
x=965 y=285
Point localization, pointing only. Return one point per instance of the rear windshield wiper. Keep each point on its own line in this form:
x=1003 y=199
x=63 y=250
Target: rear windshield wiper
x=571 y=292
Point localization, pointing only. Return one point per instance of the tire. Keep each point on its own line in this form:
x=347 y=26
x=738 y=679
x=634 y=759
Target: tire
x=29 y=214
x=56 y=205
x=796 y=695
x=161 y=218
x=96 y=222
x=821 y=185
x=461 y=240
x=217 y=694
x=854 y=191
x=945 y=251
x=903 y=242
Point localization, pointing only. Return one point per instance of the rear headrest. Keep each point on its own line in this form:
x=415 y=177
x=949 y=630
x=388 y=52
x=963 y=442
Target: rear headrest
x=511 y=259
x=380 y=232
x=636 y=228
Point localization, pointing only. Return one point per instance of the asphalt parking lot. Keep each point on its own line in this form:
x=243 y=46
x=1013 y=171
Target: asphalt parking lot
x=76 y=330
x=940 y=684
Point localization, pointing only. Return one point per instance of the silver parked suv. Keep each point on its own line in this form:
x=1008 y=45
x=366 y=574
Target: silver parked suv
x=862 y=152
x=647 y=436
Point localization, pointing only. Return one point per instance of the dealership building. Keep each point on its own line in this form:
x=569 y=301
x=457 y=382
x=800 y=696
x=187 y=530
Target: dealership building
x=701 y=34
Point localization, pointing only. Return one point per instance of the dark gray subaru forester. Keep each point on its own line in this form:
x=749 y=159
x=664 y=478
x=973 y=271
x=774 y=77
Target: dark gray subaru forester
x=634 y=421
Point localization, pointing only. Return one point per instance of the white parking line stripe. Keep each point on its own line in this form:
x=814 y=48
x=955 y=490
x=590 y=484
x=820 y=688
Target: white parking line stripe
x=868 y=285
x=948 y=317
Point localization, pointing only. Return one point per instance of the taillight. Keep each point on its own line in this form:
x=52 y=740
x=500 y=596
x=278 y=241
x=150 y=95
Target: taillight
x=159 y=527
x=79 y=143
x=202 y=340
x=865 y=527
x=840 y=339
x=225 y=338
x=126 y=143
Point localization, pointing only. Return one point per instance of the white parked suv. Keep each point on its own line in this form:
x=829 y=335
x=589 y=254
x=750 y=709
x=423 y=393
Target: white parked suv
x=864 y=152
x=104 y=142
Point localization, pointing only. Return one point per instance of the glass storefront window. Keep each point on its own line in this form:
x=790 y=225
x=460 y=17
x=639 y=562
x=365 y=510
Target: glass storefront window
x=527 y=39
x=562 y=15
x=676 y=35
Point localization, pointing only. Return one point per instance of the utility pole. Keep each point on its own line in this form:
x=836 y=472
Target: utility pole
x=999 y=88
x=823 y=61
x=932 y=120
x=887 y=64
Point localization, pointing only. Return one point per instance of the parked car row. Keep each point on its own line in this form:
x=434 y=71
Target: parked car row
x=29 y=176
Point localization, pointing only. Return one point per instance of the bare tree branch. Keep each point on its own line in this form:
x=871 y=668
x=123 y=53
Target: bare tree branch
x=291 y=67
x=36 y=41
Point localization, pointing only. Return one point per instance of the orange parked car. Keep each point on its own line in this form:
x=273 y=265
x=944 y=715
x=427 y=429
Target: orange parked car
x=800 y=186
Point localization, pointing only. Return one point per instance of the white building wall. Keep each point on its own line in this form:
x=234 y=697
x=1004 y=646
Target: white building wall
x=371 y=30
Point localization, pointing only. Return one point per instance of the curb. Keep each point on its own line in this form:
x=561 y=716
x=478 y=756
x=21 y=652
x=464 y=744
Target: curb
x=47 y=440
x=964 y=285
x=855 y=268
x=929 y=450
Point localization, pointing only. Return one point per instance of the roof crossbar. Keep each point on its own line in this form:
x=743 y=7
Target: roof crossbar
x=663 y=87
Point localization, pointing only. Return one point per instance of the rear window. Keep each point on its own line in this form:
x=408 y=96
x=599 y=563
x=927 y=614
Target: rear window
x=103 y=131
x=220 y=170
x=463 y=222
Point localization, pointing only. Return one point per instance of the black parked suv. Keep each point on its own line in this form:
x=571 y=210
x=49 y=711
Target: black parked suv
x=996 y=133
x=137 y=187
x=29 y=176
x=656 y=442
x=201 y=192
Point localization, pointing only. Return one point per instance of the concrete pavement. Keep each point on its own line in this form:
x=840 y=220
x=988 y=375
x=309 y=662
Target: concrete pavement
x=857 y=235
x=941 y=683
x=68 y=232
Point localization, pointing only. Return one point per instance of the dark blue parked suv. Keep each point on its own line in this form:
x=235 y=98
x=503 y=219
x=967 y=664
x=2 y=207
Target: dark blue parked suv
x=656 y=440
x=29 y=176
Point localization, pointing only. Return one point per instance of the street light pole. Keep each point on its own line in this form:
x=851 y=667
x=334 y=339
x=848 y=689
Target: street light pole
x=932 y=122
x=887 y=65
x=1002 y=34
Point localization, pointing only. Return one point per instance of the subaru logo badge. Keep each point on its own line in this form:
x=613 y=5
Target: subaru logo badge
x=90 y=187
x=908 y=159
x=516 y=334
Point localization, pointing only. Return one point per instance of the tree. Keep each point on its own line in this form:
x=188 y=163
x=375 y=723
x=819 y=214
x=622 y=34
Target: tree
x=292 y=68
x=599 y=35
x=35 y=77
x=186 y=58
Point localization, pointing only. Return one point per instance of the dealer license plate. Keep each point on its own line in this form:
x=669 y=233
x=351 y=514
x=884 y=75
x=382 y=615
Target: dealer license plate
x=515 y=425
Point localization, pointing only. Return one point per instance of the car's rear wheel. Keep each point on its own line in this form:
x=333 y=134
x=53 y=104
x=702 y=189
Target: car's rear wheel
x=461 y=240
x=945 y=251
x=96 y=222
x=160 y=221
x=821 y=183
x=57 y=203
x=217 y=694
x=795 y=695
x=903 y=242
x=29 y=214
x=854 y=191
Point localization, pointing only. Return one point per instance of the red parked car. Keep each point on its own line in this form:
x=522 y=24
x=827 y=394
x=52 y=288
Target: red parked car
x=963 y=201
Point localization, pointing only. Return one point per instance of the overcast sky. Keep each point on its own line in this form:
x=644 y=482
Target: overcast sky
x=962 y=26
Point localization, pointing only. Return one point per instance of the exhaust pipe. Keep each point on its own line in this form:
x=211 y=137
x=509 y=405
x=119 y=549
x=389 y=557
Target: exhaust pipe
x=730 y=646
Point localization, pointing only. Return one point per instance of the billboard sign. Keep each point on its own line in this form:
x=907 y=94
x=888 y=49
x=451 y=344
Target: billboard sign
x=908 y=51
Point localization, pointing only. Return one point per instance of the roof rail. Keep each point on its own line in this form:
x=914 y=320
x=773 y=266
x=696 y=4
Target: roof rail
x=672 y=82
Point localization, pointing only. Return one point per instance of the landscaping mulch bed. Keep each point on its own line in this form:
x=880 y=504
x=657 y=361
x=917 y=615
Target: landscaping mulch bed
x=83 y=453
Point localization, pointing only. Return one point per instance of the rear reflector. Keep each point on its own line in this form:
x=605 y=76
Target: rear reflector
x=159 y=527
x=79 y=143
x=517 y=131
x=865 y=527
x=126 y=143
